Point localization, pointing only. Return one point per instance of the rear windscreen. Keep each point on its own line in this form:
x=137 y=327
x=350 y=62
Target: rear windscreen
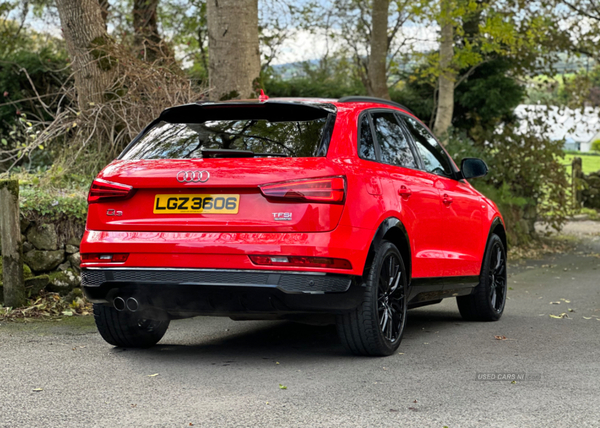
x=294 y=138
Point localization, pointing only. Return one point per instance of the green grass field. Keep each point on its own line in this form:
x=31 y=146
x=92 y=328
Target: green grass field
x=590 y=163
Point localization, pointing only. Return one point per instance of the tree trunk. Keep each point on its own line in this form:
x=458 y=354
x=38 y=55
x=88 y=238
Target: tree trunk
x=145 y=25
x=445 y=107
x=377 y=81
x=85 y=34
x=12 y=246
x=234 y=58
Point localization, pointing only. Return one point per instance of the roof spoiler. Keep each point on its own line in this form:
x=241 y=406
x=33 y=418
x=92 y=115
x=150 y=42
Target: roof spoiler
x=273 y=111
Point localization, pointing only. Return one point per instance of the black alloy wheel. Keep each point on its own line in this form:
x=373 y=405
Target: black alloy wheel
x=497 y=278
x=488 y=299
x=391 y=299
x=376 y=326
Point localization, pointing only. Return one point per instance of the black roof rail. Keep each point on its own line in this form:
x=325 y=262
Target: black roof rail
x=363 y=99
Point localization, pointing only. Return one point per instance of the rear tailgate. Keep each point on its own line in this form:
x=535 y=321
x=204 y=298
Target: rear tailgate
x=222 y=195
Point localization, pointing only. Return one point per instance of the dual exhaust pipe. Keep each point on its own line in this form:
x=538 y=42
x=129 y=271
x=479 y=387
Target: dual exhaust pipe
x=131 y=304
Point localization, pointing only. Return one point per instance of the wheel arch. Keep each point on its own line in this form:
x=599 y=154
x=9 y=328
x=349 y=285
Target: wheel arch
x=391 y=229
x=496 y=228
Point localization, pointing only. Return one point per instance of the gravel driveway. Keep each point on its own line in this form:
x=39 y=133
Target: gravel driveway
x=212 y=372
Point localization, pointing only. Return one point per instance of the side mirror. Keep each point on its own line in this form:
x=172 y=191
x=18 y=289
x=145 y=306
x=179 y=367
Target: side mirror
x=473 y=168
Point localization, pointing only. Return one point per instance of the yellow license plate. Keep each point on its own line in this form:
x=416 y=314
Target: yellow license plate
x=196 y=204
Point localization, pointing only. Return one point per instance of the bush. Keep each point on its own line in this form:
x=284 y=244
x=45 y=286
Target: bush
x=596 y=146
x=526 y=180
x=83 y=142
x=29 y=64
x=47 y=199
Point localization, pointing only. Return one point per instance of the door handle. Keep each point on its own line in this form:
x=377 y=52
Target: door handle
x=405 y=192
x=447 y=200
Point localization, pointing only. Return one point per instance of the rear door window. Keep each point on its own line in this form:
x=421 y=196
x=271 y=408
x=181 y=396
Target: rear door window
x=435 y=159
x=393 y=142
x=366 y=143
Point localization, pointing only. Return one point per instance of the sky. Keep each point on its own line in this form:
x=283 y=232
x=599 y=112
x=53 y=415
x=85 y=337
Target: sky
x=304 y=45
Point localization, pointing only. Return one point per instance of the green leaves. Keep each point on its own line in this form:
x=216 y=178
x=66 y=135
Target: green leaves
x=51 y=205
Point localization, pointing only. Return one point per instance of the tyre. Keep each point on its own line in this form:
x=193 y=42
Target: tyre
x=376 y=326
x=128 y=329
x=487 y=301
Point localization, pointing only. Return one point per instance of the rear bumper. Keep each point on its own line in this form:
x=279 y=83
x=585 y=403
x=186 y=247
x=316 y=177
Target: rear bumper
x=190 y=292
x=220 y=250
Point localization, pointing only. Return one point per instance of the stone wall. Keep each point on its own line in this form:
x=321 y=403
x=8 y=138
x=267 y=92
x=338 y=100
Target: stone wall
x=51 y=258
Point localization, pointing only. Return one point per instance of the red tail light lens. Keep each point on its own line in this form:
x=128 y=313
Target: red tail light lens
x=328 y=190
x=104 y=190
x=104 y=258
x=322 y=262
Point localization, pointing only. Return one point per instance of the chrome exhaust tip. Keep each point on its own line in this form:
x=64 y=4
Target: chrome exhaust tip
x=132 y=304
x=119 y=304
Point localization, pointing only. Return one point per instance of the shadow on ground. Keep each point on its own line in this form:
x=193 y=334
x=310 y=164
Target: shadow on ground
x=281 y=338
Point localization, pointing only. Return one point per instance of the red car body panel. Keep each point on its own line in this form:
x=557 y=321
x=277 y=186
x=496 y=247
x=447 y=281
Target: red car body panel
x=447 y=221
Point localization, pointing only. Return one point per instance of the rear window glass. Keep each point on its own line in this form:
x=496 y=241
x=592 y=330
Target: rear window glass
x=306 y=138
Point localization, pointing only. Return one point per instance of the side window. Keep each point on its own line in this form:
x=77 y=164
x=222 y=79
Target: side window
x=393 y=143
x=433 y=155
x=366 y=144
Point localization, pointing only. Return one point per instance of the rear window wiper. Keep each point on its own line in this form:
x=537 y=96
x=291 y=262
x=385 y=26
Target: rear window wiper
x=228 y=153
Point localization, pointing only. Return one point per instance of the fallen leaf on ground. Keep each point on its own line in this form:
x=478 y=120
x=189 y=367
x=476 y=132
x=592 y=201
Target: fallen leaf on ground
x=500 y=337
x=566 y=301
x=282 y=386
x=563 y=315
x=37 y=389
x=153 y=375
x=587 y=318
x=555 y=303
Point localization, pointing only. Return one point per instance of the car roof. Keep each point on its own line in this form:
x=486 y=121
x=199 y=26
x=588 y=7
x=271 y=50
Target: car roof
x=315 y=101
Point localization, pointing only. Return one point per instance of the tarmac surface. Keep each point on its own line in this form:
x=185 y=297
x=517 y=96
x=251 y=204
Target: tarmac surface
x=213 y=372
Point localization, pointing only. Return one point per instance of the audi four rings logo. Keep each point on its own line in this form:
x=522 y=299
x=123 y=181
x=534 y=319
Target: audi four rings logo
x=193 y=176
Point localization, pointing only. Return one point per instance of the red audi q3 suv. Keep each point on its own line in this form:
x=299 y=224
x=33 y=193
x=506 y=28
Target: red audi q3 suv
x=348 y=210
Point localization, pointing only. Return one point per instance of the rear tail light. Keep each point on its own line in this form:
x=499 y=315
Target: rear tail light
x=328 y=190
x=322 y=262
x=104 y=258
x=102 y=190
